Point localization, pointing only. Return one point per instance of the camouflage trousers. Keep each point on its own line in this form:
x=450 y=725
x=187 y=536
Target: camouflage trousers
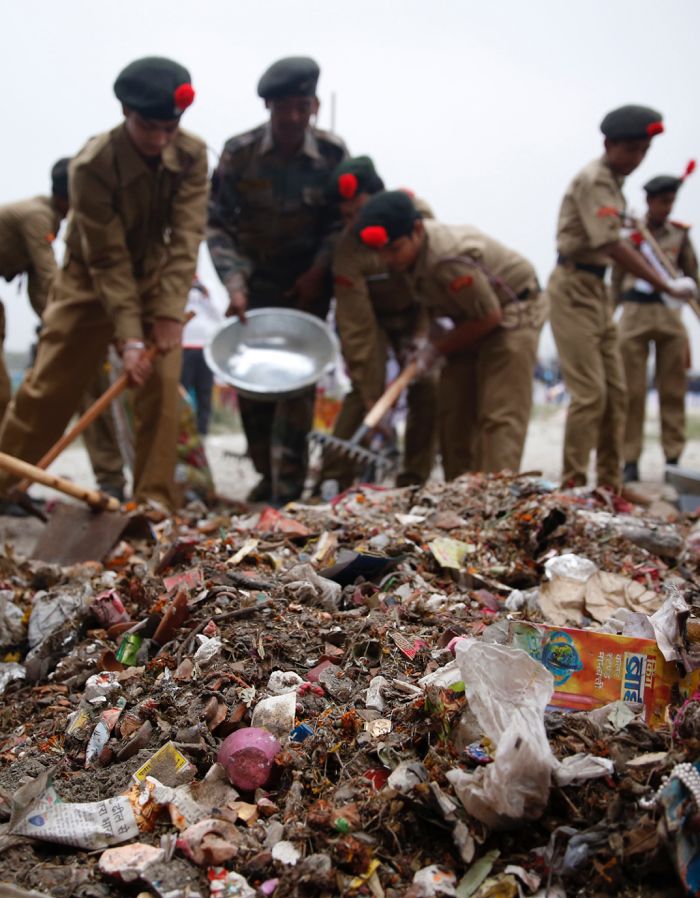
x=276 y=433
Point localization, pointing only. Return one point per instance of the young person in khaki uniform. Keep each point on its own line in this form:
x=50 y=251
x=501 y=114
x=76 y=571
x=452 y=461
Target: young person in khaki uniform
x=268 y=235
x=491 y=294
x=647 y=319
x=27 y=231
x=138 y=196
x=375 y=313
x=588 y=239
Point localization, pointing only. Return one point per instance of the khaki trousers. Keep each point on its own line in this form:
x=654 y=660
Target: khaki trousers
x=5 y=384
x=486 y=400
x=640 y=325
x=74 y=340
x=591 y=363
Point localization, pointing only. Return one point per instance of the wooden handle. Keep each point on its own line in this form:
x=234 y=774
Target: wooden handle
x=34 y=474
x=666 y=263
x=670 y=268
x=86 y=419
x=390 y=395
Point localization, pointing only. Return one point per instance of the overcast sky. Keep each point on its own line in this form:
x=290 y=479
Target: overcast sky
x=486 y=111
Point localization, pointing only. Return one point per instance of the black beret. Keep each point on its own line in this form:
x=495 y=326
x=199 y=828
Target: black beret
x=632 y=123
x=59 y=177
x=294 y=76
x=386 y=217
x=353 y=176
x=662 y=184
x=155 y=87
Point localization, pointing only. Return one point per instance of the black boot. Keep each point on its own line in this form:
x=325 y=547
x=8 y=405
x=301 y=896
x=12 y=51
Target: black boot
x=261 y=492
x=630 y=473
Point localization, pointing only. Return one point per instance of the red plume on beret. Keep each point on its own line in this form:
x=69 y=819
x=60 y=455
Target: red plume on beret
x=655 y=128
x=183 y=96
x=347 y=185
x=689 y=169
x=374 y=236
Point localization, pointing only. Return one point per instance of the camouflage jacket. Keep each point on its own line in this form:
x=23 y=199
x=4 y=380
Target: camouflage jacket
x=270 y=214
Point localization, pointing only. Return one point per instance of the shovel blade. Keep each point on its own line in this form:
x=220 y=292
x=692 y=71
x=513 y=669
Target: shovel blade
x=75 y=534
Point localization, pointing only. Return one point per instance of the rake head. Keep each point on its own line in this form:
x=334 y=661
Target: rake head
x=380 y=463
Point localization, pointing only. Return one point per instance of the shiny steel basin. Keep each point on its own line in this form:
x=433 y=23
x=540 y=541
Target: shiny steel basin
x=276 y=354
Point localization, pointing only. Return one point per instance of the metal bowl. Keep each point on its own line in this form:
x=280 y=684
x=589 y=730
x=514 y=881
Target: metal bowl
x=276 y=354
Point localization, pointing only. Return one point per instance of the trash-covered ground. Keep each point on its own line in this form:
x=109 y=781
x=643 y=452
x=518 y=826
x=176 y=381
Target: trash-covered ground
x=470 y=689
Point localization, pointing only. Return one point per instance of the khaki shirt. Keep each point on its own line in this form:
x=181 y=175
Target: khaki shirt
x=269 y=213
x=137 y=228
x=27 y=231
x=591 y=214
x=448 y=279
x=674 y=239
x=371 y=300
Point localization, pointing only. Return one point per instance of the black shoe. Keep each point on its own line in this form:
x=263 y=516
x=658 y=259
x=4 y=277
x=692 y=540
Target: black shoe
x=261 y=492
x=12 y=510
x=116 y=492
x=630 y=473
x=672 y=461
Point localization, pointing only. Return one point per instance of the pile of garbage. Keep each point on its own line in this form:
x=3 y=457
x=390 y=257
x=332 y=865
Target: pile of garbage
x=483 y=688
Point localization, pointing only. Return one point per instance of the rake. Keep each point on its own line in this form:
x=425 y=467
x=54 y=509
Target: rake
x=353 y=448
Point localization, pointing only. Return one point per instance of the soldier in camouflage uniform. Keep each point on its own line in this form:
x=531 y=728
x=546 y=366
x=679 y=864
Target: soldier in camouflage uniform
x=269 y=223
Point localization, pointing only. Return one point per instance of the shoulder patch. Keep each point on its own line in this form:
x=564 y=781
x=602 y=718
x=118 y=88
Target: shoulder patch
x=342 y=281
x=92 y=149
x=459 y=283
x=190 y=142
x=330 y=137
x=247 y=139
x=608 y=212
x=679 y=224
x=50 y=237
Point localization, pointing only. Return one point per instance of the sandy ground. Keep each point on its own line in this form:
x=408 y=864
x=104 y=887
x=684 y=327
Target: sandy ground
x=234 y=474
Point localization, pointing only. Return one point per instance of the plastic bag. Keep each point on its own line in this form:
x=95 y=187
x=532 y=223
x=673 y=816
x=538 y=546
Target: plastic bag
x=561 y=597
x=508 y=692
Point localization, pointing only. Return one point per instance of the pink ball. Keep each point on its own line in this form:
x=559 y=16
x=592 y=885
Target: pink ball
x=247 y=756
